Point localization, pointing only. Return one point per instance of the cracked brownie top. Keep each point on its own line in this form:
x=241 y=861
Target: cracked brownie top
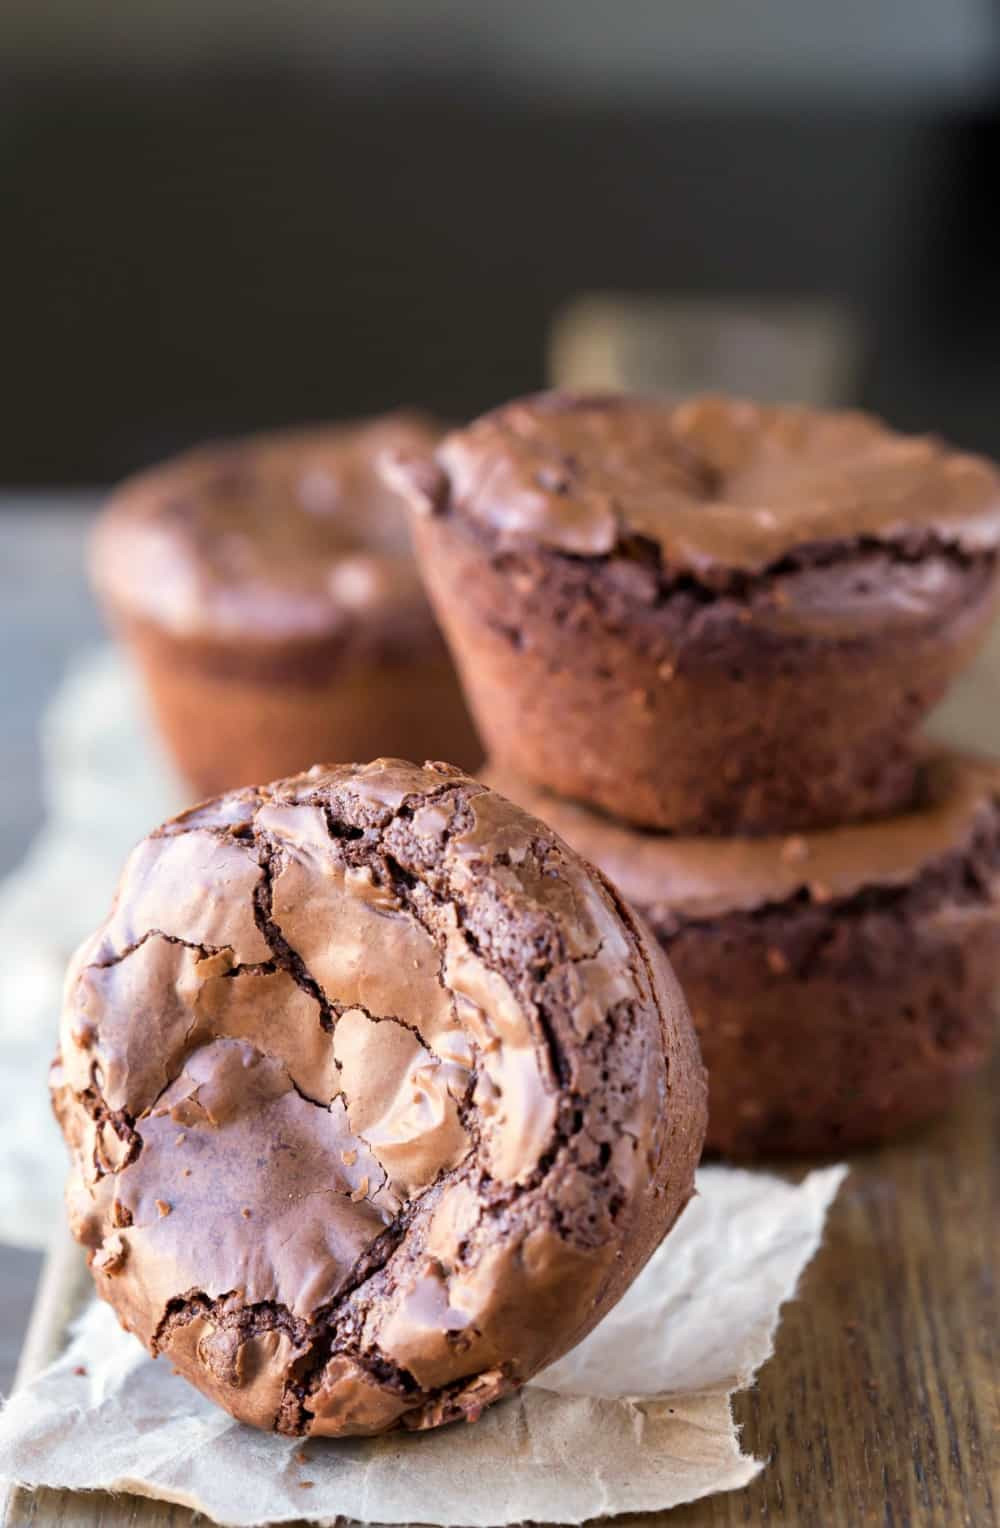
x=377 y=1098
x=710 y=487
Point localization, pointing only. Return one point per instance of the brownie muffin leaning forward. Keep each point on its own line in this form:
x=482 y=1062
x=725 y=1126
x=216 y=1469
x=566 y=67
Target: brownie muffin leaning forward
x=843 y=982
x=267 y=590
x=377 y=1098
x=712 y=616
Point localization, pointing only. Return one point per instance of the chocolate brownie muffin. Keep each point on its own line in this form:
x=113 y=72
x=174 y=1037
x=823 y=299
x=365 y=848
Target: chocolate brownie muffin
x=267 y=589
x=377 y=1098
x=843 y=983
x=714 y=616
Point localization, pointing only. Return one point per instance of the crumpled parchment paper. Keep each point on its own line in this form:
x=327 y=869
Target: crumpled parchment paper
x=636 y=1418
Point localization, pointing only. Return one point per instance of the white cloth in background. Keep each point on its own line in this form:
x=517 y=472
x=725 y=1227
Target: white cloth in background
x=105 y=786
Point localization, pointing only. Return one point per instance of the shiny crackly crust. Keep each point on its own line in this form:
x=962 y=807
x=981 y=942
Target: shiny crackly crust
x=377 y=1098
x=708 y=484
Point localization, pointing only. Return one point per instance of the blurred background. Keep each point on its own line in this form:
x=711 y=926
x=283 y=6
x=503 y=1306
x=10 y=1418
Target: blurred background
x=221 y=215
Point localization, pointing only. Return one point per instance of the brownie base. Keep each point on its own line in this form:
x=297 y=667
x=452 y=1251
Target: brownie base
x=231 y=722
x=831 y=1026
x=784 y=702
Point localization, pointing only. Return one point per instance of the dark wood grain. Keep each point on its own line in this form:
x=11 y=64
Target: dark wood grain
x=882 y=1402
x=65 y=1509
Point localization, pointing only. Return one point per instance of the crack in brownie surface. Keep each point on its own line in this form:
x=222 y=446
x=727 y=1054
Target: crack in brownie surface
x=410 y=1101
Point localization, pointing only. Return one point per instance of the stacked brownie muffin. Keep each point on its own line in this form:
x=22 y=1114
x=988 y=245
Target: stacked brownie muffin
x=699 y=639
x=268 y=594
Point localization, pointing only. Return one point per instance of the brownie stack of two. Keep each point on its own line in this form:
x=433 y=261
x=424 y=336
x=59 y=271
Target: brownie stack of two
x=699 y=640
